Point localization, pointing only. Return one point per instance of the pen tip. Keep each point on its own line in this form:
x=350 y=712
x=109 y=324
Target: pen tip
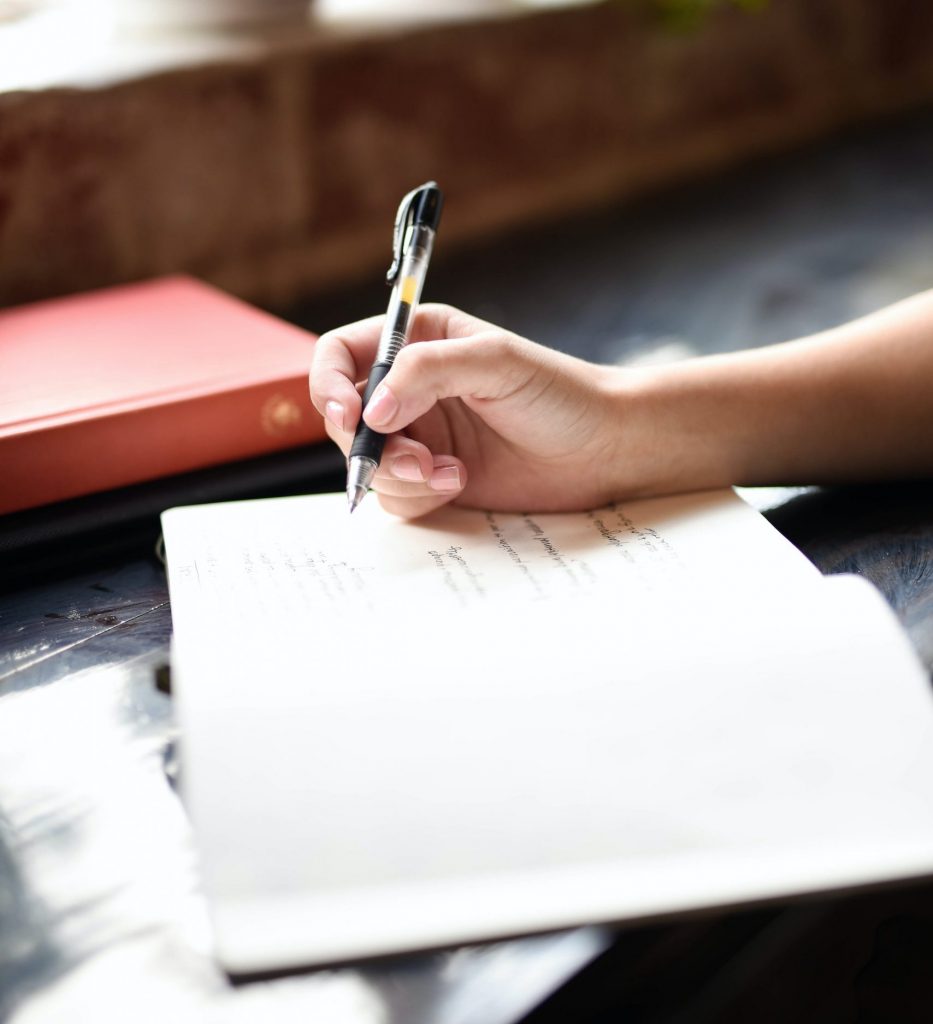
x=355 y=496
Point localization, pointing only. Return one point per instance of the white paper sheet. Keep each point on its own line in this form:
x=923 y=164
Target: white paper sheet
x=404 y=735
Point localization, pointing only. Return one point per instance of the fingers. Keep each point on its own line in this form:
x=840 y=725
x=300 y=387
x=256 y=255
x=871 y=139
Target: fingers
x=464 y=356
x=412 y=508
x=410 y=500
x=340 y=359
x=410 y=480
x=489 y=365
x=343 y=357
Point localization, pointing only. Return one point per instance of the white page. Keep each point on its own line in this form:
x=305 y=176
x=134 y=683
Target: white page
x=509 y=755
x=271 y=558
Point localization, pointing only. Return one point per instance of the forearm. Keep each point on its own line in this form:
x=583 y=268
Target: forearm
x=851 y=404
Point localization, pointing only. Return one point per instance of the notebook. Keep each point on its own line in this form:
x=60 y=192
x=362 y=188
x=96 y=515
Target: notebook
x=407 y=735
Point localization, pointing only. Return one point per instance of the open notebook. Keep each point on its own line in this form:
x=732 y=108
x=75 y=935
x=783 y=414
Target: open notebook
x=405 y=735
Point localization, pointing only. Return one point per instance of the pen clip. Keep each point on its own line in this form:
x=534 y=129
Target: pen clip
x=404 y=219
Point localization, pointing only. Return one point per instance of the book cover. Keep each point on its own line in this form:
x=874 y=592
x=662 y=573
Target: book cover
x=137 y=382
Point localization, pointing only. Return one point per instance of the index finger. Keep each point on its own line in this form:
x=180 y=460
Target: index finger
x=340 y=359
x=343 y=357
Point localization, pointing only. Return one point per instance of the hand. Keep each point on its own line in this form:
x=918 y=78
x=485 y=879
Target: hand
x=478 y=416
x=485 y=418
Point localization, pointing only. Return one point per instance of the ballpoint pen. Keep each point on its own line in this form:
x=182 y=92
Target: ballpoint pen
x=412 y=241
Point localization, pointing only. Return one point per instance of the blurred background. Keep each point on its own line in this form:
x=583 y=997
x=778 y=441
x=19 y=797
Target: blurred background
x=622 y=177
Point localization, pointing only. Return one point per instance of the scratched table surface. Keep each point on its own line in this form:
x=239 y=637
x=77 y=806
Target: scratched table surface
x=101 y=916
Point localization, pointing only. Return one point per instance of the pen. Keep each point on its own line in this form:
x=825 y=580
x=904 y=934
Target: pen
x=412 y=241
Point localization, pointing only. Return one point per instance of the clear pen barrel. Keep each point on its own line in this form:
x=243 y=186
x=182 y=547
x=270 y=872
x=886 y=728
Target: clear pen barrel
x=406 y=293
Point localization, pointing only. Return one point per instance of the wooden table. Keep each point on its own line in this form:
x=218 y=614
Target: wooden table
x=100 y=910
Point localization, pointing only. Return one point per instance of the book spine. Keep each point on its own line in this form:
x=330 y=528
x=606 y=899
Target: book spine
x=84 y=456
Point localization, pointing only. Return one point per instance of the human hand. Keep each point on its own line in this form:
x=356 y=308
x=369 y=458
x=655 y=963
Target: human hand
x=485 y=418
x=478 y=416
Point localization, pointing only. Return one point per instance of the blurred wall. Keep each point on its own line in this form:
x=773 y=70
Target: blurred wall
x=276 y=176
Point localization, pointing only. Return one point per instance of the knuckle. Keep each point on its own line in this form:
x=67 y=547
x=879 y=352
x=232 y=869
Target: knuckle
x=413 y=361
x=462 y=324
x=504 y=347
x=325 y=347
x=437 y=309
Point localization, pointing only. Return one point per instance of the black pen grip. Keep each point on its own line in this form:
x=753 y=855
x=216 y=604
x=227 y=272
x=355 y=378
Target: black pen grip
x=367 y=442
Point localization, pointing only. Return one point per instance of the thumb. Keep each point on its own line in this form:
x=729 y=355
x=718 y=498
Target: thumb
x=485 y=366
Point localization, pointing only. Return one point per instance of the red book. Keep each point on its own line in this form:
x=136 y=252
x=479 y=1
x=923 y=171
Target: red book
x=127 y=384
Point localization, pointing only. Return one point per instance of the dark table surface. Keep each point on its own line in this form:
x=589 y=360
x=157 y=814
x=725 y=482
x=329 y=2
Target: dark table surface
x=100 y=910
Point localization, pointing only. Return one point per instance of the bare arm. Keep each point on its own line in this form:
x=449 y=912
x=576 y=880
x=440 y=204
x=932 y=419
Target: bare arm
x=483 y=417
x=851 y=404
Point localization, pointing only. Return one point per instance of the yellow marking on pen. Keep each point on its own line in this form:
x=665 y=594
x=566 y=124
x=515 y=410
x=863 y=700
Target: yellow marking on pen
x=408 y=289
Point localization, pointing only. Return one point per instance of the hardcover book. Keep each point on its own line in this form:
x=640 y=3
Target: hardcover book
x=142 y=381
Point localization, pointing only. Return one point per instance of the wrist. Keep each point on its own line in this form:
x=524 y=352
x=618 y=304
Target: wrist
x=682 y=427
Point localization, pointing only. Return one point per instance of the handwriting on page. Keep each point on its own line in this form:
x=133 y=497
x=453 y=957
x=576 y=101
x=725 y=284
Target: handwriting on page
x=568 y=553
x=615 y=527
x=461 y=558
x=455 y=572
x=272 y=577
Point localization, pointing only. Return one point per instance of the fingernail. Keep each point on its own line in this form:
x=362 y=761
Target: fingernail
x=334 y=412
x=382 y=407
x=447 y=478
x=407 y=467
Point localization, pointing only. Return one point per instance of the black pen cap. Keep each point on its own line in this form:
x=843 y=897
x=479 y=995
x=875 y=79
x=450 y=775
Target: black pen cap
x=426 y=206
